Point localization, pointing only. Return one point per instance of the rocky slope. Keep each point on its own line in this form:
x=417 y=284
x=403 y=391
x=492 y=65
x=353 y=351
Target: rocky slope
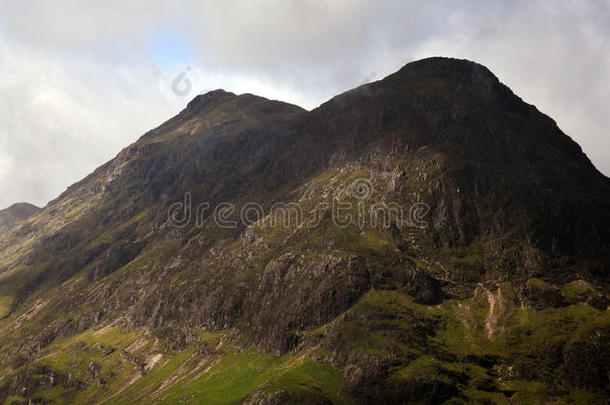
x=425 y=238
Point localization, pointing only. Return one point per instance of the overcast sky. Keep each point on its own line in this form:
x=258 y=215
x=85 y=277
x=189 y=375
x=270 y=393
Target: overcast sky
x=80 y=80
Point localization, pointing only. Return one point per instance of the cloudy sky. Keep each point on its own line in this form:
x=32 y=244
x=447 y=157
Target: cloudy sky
x=80 y=80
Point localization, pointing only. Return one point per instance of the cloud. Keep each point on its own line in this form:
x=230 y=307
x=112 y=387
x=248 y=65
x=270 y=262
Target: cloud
x=59 y=121
x=82 y=79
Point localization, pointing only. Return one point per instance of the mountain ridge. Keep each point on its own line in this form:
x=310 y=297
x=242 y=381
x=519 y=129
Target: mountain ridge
x=512 y=249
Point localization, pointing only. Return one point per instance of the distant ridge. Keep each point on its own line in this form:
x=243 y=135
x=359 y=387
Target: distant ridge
x=15 y=214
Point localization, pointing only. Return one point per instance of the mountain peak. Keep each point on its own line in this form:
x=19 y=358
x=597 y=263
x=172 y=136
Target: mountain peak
x=210 y=98
x=446 y=68
x=13 y=215
x=468 y=220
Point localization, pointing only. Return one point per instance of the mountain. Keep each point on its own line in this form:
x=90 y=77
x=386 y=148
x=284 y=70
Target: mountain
x=16 y=213
x=426 y=238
